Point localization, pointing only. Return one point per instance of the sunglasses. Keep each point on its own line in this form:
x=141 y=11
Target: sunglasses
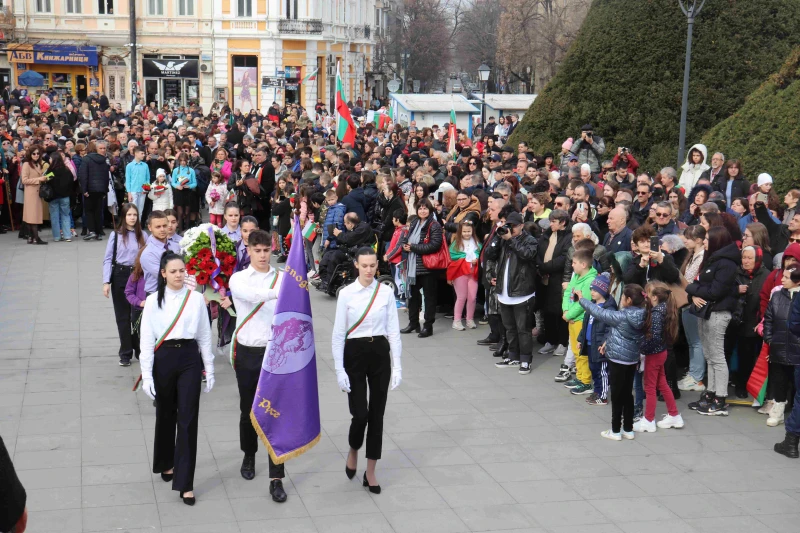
x=794 y=239
x=662 y=215
x=642 y=193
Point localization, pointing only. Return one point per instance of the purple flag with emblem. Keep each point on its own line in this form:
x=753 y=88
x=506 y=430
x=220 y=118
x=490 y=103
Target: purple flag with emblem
x=286 y=407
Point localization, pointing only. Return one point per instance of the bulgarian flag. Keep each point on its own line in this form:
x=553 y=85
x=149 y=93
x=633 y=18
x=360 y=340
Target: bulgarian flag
x=757 y=384
x=381 y=119
x=310 y=231
x=345 y=127
x=310 y=76
x=451 y=131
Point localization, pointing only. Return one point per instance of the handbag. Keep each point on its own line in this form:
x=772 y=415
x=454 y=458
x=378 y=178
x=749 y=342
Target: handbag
x=46 y=191
x=438 y=260
x=701 y=312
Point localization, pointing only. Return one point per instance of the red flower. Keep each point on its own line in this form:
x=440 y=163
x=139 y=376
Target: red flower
x=208 y=265
x=193 y=262
x=229 y=261
x=220 y=281
x=191 y=270
x=202 y=278
x=227 y=270
x=205 y=253
x=219 y=254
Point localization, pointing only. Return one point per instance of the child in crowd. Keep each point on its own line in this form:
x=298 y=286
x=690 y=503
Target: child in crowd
x=161 y=192
x=216 y=195
x=462 y=273
x=592 y=339
x=333 y=217
x=231 y=227
x=628 y=326
x=581 y=282
x=394 y=255
x=662 y=333
x=136 y=296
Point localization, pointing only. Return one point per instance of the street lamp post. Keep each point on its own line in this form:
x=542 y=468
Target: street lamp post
x=483 y=73
x=691 y=10
x=404 y=57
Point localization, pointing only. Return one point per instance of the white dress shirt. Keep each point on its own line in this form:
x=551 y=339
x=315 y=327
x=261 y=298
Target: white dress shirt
x=193 y=324
x=250 y=288
x=381 y=320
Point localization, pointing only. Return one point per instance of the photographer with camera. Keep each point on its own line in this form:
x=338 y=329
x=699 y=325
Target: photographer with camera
x=624 y=155
x=515 y=252
x=589 y=148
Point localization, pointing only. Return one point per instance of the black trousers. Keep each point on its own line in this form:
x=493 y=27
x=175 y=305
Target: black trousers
x=177 y=370
x=329 y=262
x=429 y=285
x=781 y=380
x=621 y=377
x=367 y=362
x=517 y=320
x=248 y=370
x=556 y=330
x=122 y=310
x=496 y=330
x=94 y=211
x=747 y=352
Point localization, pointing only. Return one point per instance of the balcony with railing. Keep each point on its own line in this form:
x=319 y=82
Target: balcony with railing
x=308 y=26
x=7 y=20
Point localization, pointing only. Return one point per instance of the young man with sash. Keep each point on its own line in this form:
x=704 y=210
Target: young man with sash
x=255 y=292
x=366 y=350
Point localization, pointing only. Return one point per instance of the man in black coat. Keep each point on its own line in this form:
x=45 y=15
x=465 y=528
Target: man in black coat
x=515 y=252
x=13 y=513
x=358 y=234
x=94 y=176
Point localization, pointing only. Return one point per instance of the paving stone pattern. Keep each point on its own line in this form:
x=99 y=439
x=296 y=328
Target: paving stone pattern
x=468 y=447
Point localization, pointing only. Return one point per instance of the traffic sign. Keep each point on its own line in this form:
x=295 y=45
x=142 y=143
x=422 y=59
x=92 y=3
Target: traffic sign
x=393 y=86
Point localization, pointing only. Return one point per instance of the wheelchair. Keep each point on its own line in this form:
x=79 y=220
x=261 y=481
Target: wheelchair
x=345 y=273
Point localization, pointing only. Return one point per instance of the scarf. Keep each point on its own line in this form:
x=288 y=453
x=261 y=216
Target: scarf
x=413 y=238
x=759 y=259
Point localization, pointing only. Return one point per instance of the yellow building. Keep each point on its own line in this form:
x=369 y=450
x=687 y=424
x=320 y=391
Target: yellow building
x=249 y=52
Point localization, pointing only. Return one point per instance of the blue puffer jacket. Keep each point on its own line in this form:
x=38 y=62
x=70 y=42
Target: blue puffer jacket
x=627 y=331
x=600 y=331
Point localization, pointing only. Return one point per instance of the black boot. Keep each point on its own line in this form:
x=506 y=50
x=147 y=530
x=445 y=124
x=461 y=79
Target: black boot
x=502 y=351
x=413 y=327
x=789 y=446
x=703 y=402
x=248 y=469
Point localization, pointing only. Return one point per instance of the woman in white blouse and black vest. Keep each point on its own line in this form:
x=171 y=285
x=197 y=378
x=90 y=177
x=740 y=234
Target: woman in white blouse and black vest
x=366 y=351
x=175 y=348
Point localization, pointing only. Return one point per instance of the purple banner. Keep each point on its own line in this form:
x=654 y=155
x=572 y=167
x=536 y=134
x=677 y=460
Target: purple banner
x=286 y=407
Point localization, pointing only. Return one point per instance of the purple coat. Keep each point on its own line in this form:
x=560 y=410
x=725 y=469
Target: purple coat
x=134 y=291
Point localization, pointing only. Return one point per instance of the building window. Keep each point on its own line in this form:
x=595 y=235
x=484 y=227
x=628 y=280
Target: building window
x=155 y=7
x=245 y=8
x=105 y=7
x=44 y=6
x=74 y=7
x=186 y=8
x=291 y=9
x=112 y=87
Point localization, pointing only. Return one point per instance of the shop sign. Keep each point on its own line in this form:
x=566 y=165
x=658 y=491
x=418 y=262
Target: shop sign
x=272 y=81
x=170 y=68
x=291 y=86
x=54 y=55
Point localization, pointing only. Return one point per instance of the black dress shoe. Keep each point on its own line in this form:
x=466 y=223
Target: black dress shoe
x=501 y=352
x=427 y=331
x=488 y=341
x=411 y=328
x=248 y=470
x=351 y=472
x=167 y=477
x=374 y=489
x=276 y=490
x=188 y=500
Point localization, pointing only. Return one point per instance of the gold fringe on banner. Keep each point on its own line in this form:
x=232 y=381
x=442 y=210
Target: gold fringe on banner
x=285 y=457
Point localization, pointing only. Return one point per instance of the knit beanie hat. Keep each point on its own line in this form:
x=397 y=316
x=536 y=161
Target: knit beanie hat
x=764 y=178
x=601 y=284
x=566 y=145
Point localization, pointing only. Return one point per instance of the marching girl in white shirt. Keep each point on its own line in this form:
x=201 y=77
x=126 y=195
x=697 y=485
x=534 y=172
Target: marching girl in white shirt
x=366 y=350
x=175 y=347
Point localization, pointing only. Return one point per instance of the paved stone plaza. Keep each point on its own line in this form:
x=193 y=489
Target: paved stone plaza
x=468 y=447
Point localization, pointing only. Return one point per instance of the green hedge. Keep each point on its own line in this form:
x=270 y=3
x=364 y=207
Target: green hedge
x=624 y=73
x=765 y=133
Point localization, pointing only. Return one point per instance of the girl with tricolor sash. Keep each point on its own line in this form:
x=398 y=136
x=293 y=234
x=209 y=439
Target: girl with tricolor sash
x=366 y=351
x=175 y=347
x=462 y=273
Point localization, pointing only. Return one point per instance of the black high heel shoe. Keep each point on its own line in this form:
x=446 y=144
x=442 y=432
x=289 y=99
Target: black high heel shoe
x=167 y=477
x=188 y=500
x=374 y=489
x=351 y=472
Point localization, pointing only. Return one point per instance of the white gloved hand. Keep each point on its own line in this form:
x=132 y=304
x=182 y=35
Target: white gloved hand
x=343 y=380
x=149 y=388
x=397 y=378
x=209 y=382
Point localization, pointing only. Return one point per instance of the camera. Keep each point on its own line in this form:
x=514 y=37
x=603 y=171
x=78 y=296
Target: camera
x=624 y=151
x=504 y=229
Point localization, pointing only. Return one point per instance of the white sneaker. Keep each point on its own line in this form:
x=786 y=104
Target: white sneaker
x=561 y=351
x=610 y=435
x=767 y=407
x=776 y=414
x=628 y=435
x=690 y=384
x=458 y=326
x=644 y=426
x=471 y=324
x=669 y=422
x=547 y=348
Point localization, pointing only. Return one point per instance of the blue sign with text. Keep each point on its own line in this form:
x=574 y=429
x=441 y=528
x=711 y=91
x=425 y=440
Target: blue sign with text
x=65 y=55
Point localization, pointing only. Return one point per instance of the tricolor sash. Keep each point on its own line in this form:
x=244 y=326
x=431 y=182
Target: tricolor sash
x=250 y=315
x=366 y=311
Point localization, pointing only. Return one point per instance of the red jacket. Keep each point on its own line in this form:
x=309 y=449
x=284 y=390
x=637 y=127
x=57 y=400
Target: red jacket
x=774 y=278
x=633 y=164
x=395 y=252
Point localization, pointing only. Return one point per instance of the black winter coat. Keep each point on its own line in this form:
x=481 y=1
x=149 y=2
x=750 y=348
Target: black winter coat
x=716 y=283
x=784 y=345
x=62 y=181
x=739 y=189
x=519 y=254
x=385 y=211
x=94 y=173
x=429 y=243
x=752 y=300
x=371 y=195
x=554 y=269
x=359 y=236
x=356 y=202
x=666 y=271
x=12 y=493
